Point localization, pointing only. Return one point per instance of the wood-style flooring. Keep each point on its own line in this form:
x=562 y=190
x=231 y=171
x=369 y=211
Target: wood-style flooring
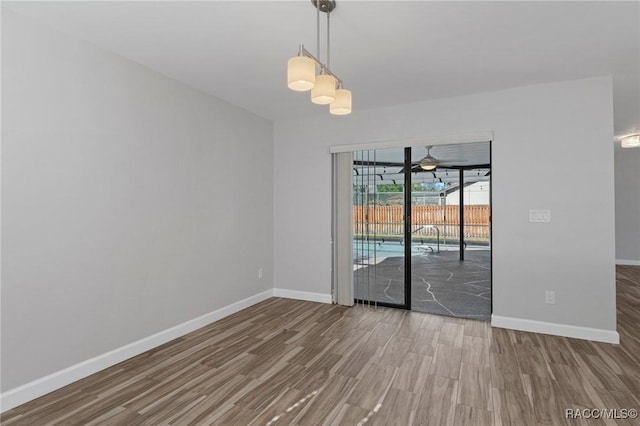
x=287 y=362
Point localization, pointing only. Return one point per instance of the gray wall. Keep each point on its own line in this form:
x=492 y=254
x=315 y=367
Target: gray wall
x=130 y=203
x=547 y=140
x=627 y=192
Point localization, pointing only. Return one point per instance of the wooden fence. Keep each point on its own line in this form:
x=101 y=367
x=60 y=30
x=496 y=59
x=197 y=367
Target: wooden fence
x=388 y=220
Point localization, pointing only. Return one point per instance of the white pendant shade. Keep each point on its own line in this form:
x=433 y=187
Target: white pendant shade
x=342 y=104
x=301 y=73
x=630 y=141
x=324 y=92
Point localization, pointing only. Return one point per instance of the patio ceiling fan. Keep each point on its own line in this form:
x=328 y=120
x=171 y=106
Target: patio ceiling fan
x=429 y=163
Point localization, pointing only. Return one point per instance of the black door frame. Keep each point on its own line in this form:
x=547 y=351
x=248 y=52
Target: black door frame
x=407 y=228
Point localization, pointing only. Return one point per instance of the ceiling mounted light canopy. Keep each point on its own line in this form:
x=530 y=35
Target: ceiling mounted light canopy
x=301 y=71
x=631 y=141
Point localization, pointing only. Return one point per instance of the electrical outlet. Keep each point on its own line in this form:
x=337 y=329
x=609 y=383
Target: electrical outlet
x=259 y=273
x=550 y=297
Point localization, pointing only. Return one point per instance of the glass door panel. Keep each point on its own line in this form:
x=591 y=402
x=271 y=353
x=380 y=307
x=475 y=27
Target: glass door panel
x=450 y=235
x=378 y=224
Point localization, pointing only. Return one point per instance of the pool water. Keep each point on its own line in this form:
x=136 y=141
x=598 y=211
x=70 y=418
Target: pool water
x=369 y=249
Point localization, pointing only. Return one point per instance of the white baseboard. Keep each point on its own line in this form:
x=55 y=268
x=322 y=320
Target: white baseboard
x=27 y=392
x=302 y=295
x=564 y=330
x=628 y=262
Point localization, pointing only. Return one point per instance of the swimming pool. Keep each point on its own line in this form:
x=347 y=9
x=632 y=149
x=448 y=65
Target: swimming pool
x=370 y=249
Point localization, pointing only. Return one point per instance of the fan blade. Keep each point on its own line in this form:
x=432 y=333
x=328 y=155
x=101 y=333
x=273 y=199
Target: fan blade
x=413 y=166
x=452 y=161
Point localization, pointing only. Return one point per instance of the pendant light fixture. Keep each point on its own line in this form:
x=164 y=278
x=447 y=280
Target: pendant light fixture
x=324 y=92
x=301 y=73
x=631 y=141
x=342 y=104
x=301 y=70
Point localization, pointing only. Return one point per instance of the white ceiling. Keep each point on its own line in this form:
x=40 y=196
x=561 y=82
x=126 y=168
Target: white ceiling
x=387 y=52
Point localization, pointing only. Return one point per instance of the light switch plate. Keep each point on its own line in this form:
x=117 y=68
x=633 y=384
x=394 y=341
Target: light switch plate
x=539 y=215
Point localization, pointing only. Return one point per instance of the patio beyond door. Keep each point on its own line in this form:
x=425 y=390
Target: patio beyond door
x=434 y=256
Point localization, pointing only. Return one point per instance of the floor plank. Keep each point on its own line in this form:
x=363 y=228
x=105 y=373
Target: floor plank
x=284 y=362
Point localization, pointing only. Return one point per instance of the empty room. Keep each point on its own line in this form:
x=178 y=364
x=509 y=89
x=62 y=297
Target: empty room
x=318 y=212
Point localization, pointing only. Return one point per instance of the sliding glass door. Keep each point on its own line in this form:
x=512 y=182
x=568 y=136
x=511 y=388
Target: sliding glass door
x=379 y=227
x=421 y=229
x=450 y=205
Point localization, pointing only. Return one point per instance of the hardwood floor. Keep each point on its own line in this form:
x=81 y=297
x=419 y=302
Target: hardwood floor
x=285 y=362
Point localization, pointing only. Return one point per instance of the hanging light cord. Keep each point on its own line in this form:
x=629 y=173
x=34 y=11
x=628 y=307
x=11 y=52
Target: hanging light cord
x=324 y=69
x=328 y=45
x=318 y=28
